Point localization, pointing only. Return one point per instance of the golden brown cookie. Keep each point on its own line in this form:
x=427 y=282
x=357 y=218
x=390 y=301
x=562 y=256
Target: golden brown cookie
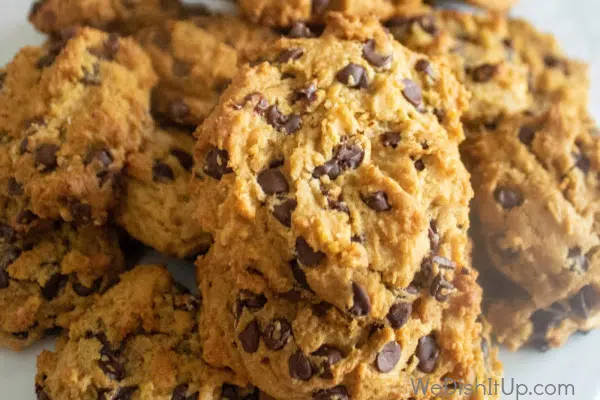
x=70 y=113
x=157 y=208
x=139 y=340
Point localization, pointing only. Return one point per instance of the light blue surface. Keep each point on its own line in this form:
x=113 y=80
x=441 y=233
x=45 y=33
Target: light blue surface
x=575 y=22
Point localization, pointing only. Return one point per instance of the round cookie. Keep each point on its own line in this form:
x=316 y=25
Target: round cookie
x=157 y=208
x=70 y=112
x=51 y=16
x=536 y=207
x=480 y=53
x=286 y=13
x=138 y=341
x=48 y=277
x=195 y=64
x=331 y=181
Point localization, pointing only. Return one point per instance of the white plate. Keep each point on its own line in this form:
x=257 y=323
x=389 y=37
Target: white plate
x=575 y=22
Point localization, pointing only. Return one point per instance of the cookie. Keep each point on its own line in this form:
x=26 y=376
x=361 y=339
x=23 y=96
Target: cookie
x=48 y=277
x=157 y=208
x=553 y=75
x=536 y=206
x=480 y=52
x=124 y=16
x=286 y=13
x=138 y=341
x=196 y=61
x=332 y=183
x=70 y=113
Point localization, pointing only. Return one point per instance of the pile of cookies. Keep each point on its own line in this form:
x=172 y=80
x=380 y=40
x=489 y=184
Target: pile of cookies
x=368 y=189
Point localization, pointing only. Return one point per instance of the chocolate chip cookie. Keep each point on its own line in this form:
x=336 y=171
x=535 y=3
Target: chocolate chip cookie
x=331 y=180
x=70 y=113
x=195 y=60
x=50 y=275
x=157 y=208
x=139 y=340
x=286 y=13
x=125 y=16
x=481 y=53
x=537 y=212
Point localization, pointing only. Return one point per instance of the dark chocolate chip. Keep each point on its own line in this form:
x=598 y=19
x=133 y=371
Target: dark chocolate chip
x=552 y=61
x=180 y=393
x=335 y=393
x=440 y=115
x=261 y=107
x=299 y=366
x=543 y=321
x=186 y=160
x=283 y=211
x=331 y=354
x=399 y=314
x=306 y=255
x=390 y=139
x=20 y=335
x=272 y=181
x=23 y=146
x=39 y=391
x=102 y=155
x=424 y=66
x=584 y=301
x=377 y=201
x=412 y=92
x=319 y=6
x=85 y=291
x=25 y=217
x=331 y=168
x=427 y=353
x=54 y=285
x=526 y=135
x=230 y=392
x=216 y=162
x=440 y=288
x=45 y=157
x=370 y=54
x=338 y=206
x=483 y=73
x=307 y=94
x=443 y=262
x=299 y=275
x=110 y=364
x=290 y=55
x=354 y=76
x=287 y=124
x=362 y=302
x=321 y=309
x=292 y=296
x=4 y=279
x=300 y=30
x=81 y=213
x=582 y=162
x=388 y=357
x=161 y=172
x=252 y=301
x=277 y=333
x=178 y=110
x=92 y=77
x=419 y=165
x=349 y=156
x=508 y=197
x=124 y=393
x=181 y=68
x=14 y=188
x=46 y=60
x=577 y=261
x=250 y=337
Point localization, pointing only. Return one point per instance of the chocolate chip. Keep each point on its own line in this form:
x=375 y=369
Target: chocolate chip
x=552 y=61
x=45 y=157
x=39 y=391
x=85 y=291
x=109 y=49
x=374 y=58
x=377 y=201
x=331 y=354
x=306 y=255
x=109 y=362
x=543 y=321
x=321 y=309
x=277 y=334
x=180 y=393
x=440 y=115
x=300 y=30
x=307 y=94
x=412 y=92
x=584 y=301
x=4 y=279
x=577 y=261
x=354 y=76
x=54 y=285
x=25 y=217
x=252 y=301
x=283 y=211
x=9 y=256
x=440 y=288
x=347 y=156
x=399 y=314
x=20 y=335
x=388 y=357
x=161 y=172
x=230 y=392
x=335 y=393
x=427 y=353
x=526 y=135
x=362 y=303
x=290 y=55
x=390 y=139
x=81 y=213
x=23 y=146
x=186 y=160
x=331 y=168
x=483 y=73
x=582 y=162
x=250 y=337
x=443 y=262
x=92 y=77
x=14 y=188
x=424 y=66
x=272 y=181
x=338 y=206
x=46 y=60
x=124 y=393
x=178 y=110
x=319 y=6
x=181 y=68
x=419 y=165
x=287 y=124
x=102 y=155
x=261 y=106
x=299 y=366
x=216 y=163
x=508 y=197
